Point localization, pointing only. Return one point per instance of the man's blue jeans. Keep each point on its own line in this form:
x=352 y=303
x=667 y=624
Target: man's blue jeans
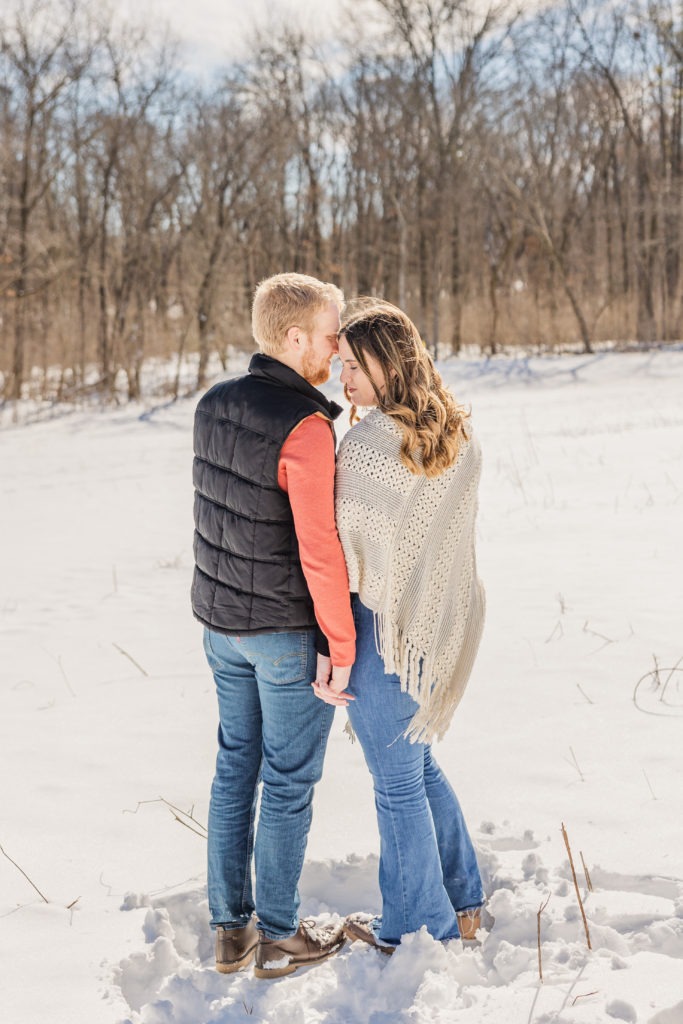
x=428 y=868
x=272 y=729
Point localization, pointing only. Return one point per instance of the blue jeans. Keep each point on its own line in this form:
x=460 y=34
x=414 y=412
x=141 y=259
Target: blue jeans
x=428 y=868
x=274 y=730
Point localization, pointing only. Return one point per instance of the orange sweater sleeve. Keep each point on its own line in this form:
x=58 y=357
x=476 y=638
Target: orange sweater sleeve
x=306 y=474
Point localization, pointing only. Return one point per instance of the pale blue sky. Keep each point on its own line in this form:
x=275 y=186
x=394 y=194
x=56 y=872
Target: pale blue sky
x=214 y=29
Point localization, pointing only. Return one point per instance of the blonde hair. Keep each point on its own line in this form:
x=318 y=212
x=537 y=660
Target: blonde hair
x=288 y=300
x=432 y=422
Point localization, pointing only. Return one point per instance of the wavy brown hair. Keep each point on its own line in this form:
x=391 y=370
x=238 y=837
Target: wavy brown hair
x=432 y=423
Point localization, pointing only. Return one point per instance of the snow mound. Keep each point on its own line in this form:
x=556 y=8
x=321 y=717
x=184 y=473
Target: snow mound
x=632 y=973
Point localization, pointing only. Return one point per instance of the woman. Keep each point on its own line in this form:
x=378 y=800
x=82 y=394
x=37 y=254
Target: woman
x=406 y=499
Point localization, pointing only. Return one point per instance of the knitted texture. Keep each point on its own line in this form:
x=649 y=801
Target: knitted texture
x=408 y=541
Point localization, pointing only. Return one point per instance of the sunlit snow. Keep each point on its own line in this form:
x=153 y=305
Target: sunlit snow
x=574 y=715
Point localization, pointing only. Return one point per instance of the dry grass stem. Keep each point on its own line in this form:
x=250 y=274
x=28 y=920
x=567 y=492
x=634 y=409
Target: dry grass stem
x=654 y=676
x=656 y=671
x=33 y=884
x=601 y=636
x=589 y=884
x=557 y=632
x=584 y=694
x=576 y=763
x=576 y=885
x=65 y=677
x=185 y=818
x=649 y=785
x=196 y=831
x=130 y=658
x=538 y=936
x=671 y=671
x=584 y=995
x=181 y=815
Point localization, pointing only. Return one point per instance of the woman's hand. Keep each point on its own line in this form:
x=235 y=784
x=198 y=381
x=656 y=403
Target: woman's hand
x=330 y=683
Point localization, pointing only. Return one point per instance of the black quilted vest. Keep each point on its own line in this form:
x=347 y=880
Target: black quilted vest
x=248 y=576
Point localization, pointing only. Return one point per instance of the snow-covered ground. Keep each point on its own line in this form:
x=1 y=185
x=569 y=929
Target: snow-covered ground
x=573 y=714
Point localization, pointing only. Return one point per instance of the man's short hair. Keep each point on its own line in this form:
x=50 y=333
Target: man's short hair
x=288 y=300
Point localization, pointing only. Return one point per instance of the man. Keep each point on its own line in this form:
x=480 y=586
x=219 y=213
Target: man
x=270 y=587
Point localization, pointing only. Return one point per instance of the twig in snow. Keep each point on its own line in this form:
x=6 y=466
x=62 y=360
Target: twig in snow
x=576 y=885
x=584 y=995
x=200 y=829
x=654 y=676
x=584 y=694
x=538 y=936
x=70 y=908
x=558 y=630
x=178 y=815
x=601 y=636
x=656 y=671
x=58 y=659
x=668 y=678
x=65 y=677
x=202 y=835
x=589 y=884
x=43 y=898
x=650 y=787
x=573 y=757
x=130 y=658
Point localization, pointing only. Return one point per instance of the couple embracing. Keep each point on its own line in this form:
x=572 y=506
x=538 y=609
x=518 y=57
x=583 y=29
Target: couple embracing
x=316 y=592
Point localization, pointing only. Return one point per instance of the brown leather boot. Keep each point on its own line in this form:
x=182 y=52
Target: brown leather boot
x=235 y=947
x=469 y=922
x=308 y=946
x=358 y=928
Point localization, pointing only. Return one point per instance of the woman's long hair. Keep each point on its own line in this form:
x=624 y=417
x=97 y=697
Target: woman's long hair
x=432 y=423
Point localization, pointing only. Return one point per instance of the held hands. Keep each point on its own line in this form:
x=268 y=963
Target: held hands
x=330 y=682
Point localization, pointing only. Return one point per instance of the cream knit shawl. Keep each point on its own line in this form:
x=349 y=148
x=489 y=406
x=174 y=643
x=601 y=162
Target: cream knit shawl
x=408 y=541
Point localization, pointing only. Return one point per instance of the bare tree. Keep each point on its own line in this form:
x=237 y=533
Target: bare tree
x=223 y=169
x=41 y=59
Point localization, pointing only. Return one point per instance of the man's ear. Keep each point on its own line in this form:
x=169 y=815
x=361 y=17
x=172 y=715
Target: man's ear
x=293 y=338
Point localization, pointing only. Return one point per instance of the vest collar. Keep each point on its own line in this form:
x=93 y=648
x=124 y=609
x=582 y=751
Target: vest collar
x=273 y=370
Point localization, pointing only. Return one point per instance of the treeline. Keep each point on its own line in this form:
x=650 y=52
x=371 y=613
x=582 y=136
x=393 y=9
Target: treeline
x=506 y=177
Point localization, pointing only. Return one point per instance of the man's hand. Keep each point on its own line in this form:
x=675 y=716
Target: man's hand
x=322 y=672
x=333 y=690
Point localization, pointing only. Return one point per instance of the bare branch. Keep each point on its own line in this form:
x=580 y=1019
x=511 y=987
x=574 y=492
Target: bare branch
x=2 y=851
x=538 y=936
x=130 y=658
x=576 y=885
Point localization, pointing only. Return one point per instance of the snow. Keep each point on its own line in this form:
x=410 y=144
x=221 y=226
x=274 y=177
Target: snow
x=572 y=715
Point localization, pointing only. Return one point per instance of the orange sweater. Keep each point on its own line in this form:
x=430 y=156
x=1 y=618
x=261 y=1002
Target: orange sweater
x=306 y=474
